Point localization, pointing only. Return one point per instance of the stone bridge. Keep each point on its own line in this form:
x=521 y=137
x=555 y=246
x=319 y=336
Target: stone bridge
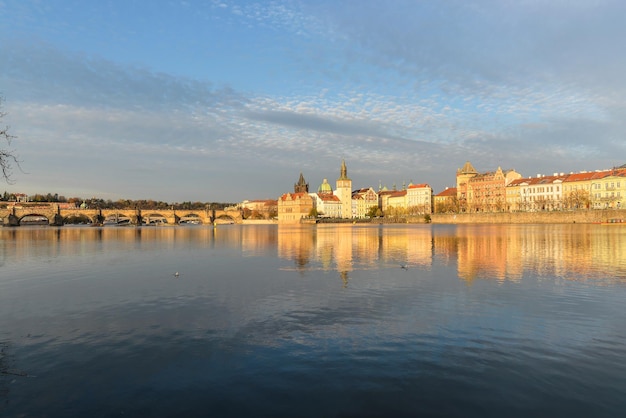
x=12 y=215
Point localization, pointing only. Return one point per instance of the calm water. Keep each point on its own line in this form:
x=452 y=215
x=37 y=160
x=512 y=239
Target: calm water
x=484 y=321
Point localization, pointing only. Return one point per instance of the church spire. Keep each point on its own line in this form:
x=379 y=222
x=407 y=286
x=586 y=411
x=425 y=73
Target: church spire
x=344 y=171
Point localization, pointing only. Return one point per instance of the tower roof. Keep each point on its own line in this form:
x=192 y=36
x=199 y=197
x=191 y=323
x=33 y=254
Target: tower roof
x=468 y=168
x=325 y=187
x=301 y=186
x=344 y=171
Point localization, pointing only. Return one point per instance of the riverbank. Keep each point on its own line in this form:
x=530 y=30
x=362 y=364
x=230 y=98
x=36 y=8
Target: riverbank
x=560 y=217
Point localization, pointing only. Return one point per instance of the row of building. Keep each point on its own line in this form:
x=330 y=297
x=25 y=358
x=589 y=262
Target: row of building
x=508 y=191
x=346 y=203
x=492 y=191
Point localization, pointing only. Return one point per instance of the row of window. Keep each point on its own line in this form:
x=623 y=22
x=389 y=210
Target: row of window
x=612 y=185
x=606 y=195
x=550 y=189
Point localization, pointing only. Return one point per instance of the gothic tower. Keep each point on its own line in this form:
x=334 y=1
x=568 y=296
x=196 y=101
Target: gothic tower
x=301 y=186
x=344 y=191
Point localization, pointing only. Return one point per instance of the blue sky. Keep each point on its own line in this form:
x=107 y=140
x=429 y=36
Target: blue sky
x=231 y=100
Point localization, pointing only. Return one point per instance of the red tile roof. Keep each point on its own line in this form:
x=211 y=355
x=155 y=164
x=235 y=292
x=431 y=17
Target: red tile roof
x=450 y=191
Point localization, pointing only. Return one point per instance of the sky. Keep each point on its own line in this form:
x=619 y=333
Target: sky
x=224 y=101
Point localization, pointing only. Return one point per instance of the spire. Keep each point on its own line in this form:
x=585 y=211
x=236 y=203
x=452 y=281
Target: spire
x=344 y=171
x=301 y=186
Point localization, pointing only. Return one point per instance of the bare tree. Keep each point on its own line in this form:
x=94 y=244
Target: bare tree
x=7 y=155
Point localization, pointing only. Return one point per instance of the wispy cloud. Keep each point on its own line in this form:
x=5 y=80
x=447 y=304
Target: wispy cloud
x=236 y=98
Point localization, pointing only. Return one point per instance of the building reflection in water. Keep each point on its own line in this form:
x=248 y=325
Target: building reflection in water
x=495 y=252
x=344 y=248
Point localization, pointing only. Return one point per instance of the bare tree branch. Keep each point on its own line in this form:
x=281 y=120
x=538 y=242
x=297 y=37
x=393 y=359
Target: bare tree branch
x=7 y=155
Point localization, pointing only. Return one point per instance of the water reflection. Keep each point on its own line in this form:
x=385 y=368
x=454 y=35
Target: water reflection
x=258 y=315
x=498 y=252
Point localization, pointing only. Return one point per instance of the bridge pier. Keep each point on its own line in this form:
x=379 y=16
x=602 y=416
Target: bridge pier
x=11 y=220
x=57 y=220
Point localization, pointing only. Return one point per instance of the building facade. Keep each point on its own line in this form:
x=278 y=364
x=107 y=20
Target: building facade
x=535 y=193
x=344 y=191
x=419 y=199
x=446 y=201
x=362 y=202
x=483 y=192
x=292 y=207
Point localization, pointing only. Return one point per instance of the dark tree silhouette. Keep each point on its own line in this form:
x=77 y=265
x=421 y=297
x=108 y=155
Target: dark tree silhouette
x=7 y=155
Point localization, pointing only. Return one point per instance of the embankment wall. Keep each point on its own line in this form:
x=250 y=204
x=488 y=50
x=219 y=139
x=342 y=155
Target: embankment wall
x=562 y=217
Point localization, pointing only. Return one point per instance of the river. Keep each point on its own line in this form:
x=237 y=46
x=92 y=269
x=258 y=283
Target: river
x=313 y=321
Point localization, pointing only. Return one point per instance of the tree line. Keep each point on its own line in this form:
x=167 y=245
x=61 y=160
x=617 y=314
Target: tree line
x=98 y=203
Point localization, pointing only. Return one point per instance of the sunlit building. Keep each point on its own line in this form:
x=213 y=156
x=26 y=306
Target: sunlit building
x=535 y=193
x=362 y=202
x=344 y=191
x=326 y=203
x=292 y=207
x=419 y=199
x=446 y=201
x=608 y=189
x=577 y=190
x=483 y=192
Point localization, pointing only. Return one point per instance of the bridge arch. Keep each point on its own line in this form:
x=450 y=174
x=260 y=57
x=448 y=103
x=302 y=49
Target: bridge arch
x=71 y=216
x=227 y=216
x=79 y=218
x=34 y=219
x=192 y=219
x=117 y=219
x=224 y=218
x=153 y=218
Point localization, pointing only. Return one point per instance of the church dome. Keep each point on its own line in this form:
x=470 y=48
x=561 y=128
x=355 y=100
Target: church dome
x=325 y=187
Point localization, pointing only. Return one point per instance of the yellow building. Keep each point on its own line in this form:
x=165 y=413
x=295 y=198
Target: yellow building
x=362 y=202
x=292 y=207
x=608 y=189
x=577 y=190
x=446 y=201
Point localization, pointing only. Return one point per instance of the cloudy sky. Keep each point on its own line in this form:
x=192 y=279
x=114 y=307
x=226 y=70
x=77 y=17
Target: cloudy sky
x=229 y=100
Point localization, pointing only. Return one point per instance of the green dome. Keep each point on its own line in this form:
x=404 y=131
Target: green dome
x=325 y=187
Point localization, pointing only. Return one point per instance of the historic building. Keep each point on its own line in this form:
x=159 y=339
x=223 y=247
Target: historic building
x=344 y=191
x=327 y=204
x=602 y=189
x=392 y=201
x=577 y=190
x=463 y=176
x=301 y=186
x=535 y=193
x=419 y=199
x=292 y=207
x=483 y=192
x=608 y=189
x=446 y=201
x=266 y=208
x=362 y=202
